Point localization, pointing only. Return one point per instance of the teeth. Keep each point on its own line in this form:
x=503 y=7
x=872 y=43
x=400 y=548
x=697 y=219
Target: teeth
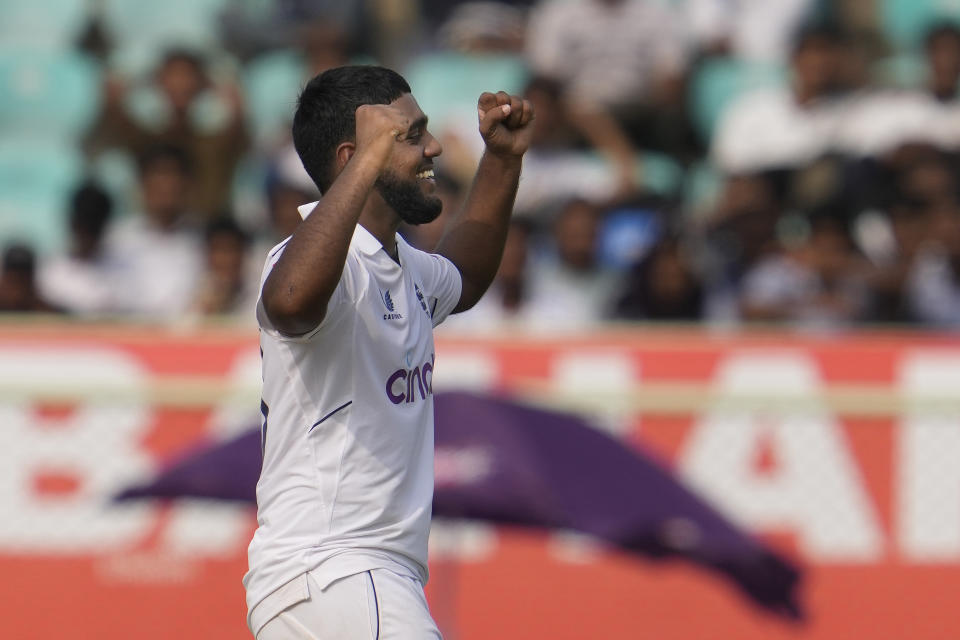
x=425 y=174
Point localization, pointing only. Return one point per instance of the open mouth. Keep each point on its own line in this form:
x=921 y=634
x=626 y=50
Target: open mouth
x=426 y=174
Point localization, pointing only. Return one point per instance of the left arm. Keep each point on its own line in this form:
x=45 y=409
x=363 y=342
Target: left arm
x=474 y=242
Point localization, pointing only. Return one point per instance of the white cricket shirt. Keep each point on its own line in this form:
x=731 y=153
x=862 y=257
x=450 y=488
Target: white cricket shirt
x=347 y=477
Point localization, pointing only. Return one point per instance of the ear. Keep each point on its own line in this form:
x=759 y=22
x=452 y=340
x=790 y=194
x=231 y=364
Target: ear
x=345 y=151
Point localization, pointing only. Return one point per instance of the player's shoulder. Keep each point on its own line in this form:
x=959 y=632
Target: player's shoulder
x=418 y=258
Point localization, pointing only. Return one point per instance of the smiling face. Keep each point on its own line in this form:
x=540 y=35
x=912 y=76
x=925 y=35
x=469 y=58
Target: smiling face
x=408 y=185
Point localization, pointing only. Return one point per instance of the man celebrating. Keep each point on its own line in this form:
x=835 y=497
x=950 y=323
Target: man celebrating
x=347 y=311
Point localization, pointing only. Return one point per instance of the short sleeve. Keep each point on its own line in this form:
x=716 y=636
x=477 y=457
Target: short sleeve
x=441 y=283
x=339 y=301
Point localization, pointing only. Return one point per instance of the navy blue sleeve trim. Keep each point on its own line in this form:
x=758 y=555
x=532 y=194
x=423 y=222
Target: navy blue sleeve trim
x=317 y=423
x=264 y=411
x=282 y=245
x=376 y=603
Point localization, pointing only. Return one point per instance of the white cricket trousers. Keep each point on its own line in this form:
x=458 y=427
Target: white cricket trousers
x=373 y=605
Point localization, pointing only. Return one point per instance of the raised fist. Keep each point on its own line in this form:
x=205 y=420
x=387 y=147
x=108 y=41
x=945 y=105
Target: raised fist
x=378 y=127
x=505 y=123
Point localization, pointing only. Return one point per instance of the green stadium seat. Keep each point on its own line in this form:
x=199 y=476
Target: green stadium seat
x=906 y=21
x=116 y=171
x=47 y=24
x=902 y=70
x=659 y=173
x=448 y=84
x=183 y=22
x=272 y=83
x=716 y=82
x=49 y=91
x=35 y=181
x=701 y=188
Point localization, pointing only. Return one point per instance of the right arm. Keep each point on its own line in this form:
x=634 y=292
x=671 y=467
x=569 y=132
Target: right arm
x=296 y=293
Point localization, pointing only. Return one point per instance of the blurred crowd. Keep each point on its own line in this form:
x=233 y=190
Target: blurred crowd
x=717 y=161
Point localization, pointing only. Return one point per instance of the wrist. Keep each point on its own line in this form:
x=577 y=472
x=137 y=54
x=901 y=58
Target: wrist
x=504 y=159
x=371 y=158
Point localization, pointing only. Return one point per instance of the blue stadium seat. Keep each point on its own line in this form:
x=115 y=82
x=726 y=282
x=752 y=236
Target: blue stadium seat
x=905 y=21
x=53 y=92
x=272 y=83
x=35 y=181
x=716 y=82
x=50 y=24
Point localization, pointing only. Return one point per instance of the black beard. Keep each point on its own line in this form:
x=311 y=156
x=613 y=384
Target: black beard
x=406 y=198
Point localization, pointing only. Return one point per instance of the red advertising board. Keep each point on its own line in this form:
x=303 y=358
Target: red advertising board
x=842 y=451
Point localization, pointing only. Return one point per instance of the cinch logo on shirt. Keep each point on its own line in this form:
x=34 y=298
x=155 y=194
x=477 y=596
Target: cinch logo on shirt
x=388 y=303
x=403 y=385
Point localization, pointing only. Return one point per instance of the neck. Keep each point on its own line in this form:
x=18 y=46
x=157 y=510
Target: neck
x=382 y=222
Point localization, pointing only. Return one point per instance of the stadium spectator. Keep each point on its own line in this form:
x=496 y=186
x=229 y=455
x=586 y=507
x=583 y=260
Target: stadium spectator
x=753 y=30
x=214 y=141
x=881 y=122
x=18 y=284
x=504 y=305
x=569 y=289
x=563 y=161
x=664 y=285
x=249 y=29
x=933 y=285
x=82 y=280
x=891 y=241
x=623 y=58
x=740 y=228
x=226 y=287
x=788 y=127
x=287 y=187
x=158 y=250
x=815 y=282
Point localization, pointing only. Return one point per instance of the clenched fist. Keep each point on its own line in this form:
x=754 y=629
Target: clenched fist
x=378 y=127
x=505 y=123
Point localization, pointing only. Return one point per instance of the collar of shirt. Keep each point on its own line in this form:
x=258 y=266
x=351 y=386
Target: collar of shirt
x=364 y=240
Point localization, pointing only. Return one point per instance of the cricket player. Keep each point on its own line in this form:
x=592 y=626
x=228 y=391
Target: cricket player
x=346 y=315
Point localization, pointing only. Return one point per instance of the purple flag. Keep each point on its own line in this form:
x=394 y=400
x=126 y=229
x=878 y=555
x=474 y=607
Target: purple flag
x=503 y=462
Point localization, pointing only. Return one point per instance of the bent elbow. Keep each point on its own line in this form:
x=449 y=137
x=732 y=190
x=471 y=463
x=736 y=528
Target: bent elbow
x=290 y=315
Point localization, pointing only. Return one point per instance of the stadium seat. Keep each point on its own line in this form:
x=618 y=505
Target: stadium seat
x=35 y=180
x=903 y=70
x=447 y=84
x=184 y=22
x=701 y=189
x=50 y=24
x=116 y=171
x=659 y=173
x=716 y=82
x=53 y=92
x=905 y=21
x=272 y=83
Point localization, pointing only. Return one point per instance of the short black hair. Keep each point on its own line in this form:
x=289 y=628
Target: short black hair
x=818 y=32
x=90 y=209
x=326 y=113
x=183 y=54
x=161 y=154
x=938 y=30
x=19 y=258
x=225 y=225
